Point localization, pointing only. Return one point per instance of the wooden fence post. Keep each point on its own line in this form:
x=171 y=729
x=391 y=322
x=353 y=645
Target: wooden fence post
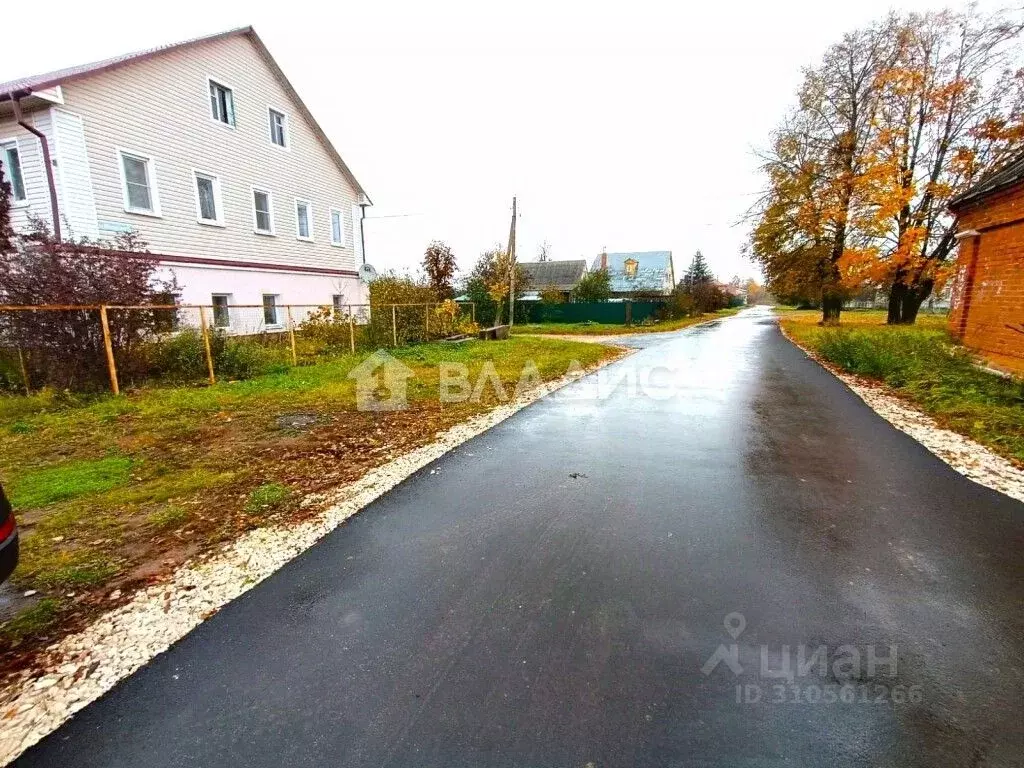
x=394 y=326
x=109 y=347
x=291 y=334
x=426 y=322
x=351 y=329
x=206 y=345
x=472 y=312
x=24 y=372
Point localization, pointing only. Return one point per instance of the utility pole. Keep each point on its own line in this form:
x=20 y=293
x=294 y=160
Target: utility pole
x=512 y=268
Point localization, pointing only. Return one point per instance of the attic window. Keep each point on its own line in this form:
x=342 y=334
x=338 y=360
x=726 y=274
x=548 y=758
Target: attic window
x=222 y=104
x=631 y=266
x=278 y=127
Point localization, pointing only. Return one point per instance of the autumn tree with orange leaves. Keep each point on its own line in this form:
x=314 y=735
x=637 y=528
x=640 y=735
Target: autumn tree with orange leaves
x=952 y=108
x=817 y=206
x=895 y=121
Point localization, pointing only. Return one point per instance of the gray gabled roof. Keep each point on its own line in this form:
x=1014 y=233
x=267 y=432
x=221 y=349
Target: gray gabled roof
x=653 y=273
x=25 y=86
x=561 y=274
x=1005 y=176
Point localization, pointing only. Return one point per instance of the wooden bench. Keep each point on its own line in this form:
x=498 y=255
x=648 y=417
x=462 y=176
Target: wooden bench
x=495 y=333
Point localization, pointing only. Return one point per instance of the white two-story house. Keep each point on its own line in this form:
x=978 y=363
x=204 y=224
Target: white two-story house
x=205 y=150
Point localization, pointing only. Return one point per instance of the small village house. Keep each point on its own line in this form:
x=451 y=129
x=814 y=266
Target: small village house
x=638 y=275
x=988 y=293
x=205 y=150
x=561 y=276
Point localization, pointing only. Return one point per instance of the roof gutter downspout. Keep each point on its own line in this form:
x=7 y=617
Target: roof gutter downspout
x=54 y=209
x=362 y=229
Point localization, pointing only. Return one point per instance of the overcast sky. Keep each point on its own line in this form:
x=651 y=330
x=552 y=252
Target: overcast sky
x=629 y=126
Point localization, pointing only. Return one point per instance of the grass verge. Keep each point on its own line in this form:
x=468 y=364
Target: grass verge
x=923 y=365
x=111 y=492
x=615 y=329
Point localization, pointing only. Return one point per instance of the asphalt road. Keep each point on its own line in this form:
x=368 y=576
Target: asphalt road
x=550 y=595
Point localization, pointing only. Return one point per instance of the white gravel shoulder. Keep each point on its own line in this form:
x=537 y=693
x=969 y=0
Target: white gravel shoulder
x=971 y=459
x=82 y=667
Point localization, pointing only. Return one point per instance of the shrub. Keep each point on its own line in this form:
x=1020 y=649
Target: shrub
x=64 y=349
x=247 y=358
x=552 y=295
x=593 y=286
x=326 y=330
x=181 y=356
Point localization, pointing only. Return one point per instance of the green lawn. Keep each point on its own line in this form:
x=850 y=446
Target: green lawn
x=922 y=364
x=614 y=329
x=110 y=489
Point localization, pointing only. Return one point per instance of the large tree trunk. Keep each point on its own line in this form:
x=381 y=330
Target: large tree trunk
x=905 y=301
x=831 y=306
x=914 y=299
x=897 y=293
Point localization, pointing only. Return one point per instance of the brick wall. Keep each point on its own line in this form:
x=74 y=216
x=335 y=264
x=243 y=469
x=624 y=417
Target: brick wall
x=988 y=293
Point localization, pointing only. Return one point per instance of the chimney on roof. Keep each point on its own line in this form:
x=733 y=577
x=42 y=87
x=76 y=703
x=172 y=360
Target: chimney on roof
x=604 y=260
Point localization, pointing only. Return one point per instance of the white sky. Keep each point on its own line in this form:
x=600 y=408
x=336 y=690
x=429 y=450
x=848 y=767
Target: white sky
x=628 y=125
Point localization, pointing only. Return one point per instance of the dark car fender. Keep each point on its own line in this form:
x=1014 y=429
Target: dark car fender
x=8 y=538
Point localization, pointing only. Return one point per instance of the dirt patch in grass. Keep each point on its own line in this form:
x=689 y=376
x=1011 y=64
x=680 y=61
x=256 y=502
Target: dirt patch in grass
x=117 y=492
x=922 y=365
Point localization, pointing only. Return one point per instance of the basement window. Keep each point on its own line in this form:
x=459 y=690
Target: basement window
x=221 y=313
x=270 y=309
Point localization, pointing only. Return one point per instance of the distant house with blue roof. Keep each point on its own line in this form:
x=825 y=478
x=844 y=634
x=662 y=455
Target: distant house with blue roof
x=638 y=274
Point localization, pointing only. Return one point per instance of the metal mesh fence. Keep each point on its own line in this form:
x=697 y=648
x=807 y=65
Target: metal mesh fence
x=82 y=348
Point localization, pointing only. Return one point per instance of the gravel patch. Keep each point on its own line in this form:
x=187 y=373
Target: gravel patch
x=82 y=667
x=971 y=459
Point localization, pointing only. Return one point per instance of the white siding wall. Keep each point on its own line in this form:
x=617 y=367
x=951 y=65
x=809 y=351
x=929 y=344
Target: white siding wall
x=33 y=171
x=74 y=183
x=160 y=107
x=246 y=286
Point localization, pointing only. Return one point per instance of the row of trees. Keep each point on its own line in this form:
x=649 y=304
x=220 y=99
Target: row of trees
x=895 y=121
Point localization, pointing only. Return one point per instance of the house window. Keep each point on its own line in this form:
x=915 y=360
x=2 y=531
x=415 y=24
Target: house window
x=222 y=104
x=270 y=309
x=262 y=212
x=11 y=162
x=209 y=209
x=303 y=217
x=278 y=128
x=339 y=304
x=221 y=313
x=337 y=227
x=631 y=267
x=138 y=182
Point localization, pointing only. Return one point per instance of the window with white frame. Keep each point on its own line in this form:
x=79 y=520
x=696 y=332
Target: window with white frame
x=278 y=127
x=10 y=159
x=209 y=209
x=138 y=183
x=221 y=313
x=222 y=103
x=337 y=227
x=303 y=220
x=262 y=211
x=270 y=309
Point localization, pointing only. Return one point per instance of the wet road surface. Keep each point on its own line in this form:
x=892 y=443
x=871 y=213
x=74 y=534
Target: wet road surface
x=550 y=596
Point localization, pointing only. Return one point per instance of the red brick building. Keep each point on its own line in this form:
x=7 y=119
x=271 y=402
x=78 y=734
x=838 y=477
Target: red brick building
x=988 y=295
